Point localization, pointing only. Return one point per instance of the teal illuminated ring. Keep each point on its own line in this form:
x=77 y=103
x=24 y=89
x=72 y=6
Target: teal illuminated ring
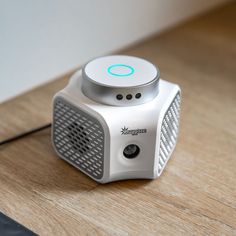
x=109 y=70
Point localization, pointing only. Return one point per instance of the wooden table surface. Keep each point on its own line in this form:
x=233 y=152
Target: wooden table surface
x=196 y=194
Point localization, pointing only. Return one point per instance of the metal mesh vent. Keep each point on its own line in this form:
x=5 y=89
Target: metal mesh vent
x=169 y=132
x=78 y=138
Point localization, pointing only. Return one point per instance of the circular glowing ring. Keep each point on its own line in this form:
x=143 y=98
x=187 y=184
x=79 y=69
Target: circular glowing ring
x=120 y=65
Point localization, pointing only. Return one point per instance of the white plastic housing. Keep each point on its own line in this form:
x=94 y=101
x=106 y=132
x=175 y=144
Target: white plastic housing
x=148 y=116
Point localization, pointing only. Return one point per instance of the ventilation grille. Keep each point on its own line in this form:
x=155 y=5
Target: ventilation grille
x=78 y=138
x=169 y=132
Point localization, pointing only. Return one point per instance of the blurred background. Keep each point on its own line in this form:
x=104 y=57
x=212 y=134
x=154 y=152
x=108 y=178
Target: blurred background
x=41 y=40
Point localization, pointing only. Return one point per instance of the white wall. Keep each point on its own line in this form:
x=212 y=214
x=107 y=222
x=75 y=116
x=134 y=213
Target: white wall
x=39 y=40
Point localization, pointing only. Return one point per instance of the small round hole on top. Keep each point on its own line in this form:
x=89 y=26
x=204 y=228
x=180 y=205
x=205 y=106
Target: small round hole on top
x=138 y=95
x=119 y=97
x=129 y=97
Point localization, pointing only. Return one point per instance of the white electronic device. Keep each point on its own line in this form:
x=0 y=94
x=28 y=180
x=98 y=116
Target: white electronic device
x=116 y=119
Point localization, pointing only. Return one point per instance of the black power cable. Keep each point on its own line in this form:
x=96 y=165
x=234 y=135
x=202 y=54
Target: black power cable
x=18 y=136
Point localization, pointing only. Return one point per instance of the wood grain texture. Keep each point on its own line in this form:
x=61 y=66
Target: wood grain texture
x=196 y=194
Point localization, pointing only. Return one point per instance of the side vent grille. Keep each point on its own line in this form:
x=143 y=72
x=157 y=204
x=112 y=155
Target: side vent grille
x=169 y=132
x=78 y=138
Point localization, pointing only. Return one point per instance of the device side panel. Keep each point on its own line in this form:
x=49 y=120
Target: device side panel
x=168 y=126
x=132 y=126
x=79 y=137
